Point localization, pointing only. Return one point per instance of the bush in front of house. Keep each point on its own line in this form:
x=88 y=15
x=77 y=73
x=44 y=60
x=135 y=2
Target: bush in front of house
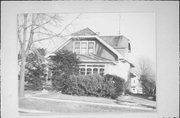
x=35 y=72
x=119 y=84
x=62 y=65
x=64 y=62
x=65 y=67
x=90 y=85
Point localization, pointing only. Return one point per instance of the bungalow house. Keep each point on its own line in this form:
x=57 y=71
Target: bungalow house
x=100 y=54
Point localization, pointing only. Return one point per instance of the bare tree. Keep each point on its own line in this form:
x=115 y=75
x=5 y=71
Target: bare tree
x=147 y=76
x=32 y=28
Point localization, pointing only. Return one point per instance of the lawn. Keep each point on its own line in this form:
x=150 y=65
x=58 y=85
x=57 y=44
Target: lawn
x=57 y=106
x=63 y=107
x=93 y=99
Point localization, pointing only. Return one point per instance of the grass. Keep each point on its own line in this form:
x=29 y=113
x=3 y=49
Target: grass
x=119 y=100
x=143 y=96
x=77 y=98
x=138 y=100
x=68 y=107
x=62 y=107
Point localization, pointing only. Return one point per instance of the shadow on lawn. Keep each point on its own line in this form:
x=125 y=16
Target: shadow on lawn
x=131 y=103
x=147 y=97
x=136 y=100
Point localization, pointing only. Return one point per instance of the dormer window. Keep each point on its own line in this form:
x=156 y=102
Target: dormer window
x=84 y=47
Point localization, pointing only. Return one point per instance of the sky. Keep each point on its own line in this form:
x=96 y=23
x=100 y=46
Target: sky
x=139 y=28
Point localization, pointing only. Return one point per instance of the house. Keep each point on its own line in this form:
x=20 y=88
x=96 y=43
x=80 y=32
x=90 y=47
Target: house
x=100 y=54
x=135 y=84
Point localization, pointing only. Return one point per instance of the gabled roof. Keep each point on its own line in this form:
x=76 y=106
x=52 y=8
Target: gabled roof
x=84 y=32
x=111 y=43
x=115 y=41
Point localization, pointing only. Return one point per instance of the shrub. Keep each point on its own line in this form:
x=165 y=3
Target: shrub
x=64 y=62
x=35 y=72
x=90 y=85
x=118 y=84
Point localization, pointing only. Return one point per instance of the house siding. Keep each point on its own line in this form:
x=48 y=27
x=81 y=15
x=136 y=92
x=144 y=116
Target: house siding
x=102 y=51
x=69 y=46
x=121 y=69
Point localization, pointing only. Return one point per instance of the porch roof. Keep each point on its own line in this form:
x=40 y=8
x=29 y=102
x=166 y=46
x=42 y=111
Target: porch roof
x=94 y=58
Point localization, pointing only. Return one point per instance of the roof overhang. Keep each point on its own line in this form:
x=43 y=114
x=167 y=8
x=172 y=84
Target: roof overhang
x=94 y=59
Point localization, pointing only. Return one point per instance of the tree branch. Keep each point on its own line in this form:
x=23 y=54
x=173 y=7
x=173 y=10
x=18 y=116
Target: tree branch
x=58 y=35
x=68 y=25
x=31 y=34
x=48 y=30
x=43 y=33
x=44 y=23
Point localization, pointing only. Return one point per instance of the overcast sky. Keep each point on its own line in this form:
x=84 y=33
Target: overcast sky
x=138 y=27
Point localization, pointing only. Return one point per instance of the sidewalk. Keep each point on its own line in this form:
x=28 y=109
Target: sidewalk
x=21 y=110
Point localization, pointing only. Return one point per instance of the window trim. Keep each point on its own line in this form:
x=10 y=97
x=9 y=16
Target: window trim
x=98 y=67
x=87 y=46
x=86 y=51
x=93 y=46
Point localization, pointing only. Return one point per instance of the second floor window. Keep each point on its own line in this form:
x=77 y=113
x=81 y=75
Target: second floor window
x=84 y=47
x=90 y=47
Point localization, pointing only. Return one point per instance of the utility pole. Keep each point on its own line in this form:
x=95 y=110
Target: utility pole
x=119 y=24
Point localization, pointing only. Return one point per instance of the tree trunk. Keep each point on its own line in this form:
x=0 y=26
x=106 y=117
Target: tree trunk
x=23 y=59
x=22 y=73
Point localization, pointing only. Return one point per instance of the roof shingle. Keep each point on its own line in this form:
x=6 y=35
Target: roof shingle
x=116 y=41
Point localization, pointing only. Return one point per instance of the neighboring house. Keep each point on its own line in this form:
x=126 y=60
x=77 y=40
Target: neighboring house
x=135 y=84
x=100 y=54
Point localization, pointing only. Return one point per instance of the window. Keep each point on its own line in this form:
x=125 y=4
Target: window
x=83 y=47
x=101 y=72
x=77 y=47
x=90 y=47
x=95 y=71
x=82 y=71
x=89 y=71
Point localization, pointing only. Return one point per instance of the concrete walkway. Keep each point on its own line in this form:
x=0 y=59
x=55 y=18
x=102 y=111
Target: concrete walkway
x=91 y=103
x=21 y=110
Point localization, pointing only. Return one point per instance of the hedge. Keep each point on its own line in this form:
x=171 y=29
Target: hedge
x=108 y=86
